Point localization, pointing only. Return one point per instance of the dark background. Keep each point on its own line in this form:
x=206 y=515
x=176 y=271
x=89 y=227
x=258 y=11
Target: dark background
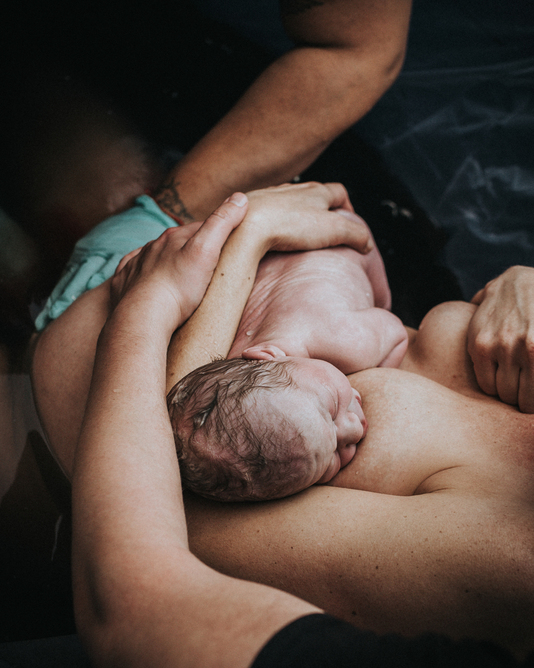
x=99 y=100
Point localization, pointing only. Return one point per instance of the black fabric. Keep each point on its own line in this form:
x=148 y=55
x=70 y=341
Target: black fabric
x=62 y=652
x=322 y=641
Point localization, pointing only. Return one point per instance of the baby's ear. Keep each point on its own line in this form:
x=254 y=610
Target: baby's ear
x=263 y=352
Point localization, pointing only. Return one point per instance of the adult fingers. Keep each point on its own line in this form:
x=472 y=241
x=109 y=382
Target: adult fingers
x=338 y=197
x=363 y=237
x=503 y=369
x=486 y=373
x=525 y=355
x=178 y=235
x=525 y=397
x=478 y=298
x=515 y=386
x=480 y=346
x=126 y=259
x=348 y=229
x=507 y=382
x=216 y=229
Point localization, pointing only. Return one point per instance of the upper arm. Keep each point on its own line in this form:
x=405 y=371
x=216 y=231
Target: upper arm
x=62 y=367
x=379 y=28
x=388 y=563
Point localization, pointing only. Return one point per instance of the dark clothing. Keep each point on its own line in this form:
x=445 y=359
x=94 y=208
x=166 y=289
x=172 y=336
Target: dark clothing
x=321 y=641
x=61 y=652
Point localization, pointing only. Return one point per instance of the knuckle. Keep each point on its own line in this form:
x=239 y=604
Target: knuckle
x=483 y=344
x=223 y=213
x=201 y=250
x=196 y=247
x=167 y=235
x=529 y=347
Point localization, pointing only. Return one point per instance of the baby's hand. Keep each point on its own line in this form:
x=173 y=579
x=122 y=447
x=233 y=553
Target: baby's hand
x=171 y=274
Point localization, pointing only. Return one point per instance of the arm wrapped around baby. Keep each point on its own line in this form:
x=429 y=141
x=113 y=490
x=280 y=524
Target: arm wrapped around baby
x=252 y=427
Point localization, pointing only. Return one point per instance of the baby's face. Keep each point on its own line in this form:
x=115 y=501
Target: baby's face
x=328 y=413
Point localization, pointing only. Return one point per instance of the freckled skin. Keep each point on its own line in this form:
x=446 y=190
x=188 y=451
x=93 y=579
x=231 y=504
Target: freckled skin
x=428 y=528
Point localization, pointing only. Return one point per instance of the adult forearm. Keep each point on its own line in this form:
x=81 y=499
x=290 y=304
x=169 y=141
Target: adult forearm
x=211 y=329
x=141 y=598
x=279 y=127
x=125 y=468
x=125 y=420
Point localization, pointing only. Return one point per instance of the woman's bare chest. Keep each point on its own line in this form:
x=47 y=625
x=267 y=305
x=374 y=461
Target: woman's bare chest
x=419 y=429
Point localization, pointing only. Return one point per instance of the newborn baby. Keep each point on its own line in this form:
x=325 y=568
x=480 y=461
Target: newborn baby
x=285 y=416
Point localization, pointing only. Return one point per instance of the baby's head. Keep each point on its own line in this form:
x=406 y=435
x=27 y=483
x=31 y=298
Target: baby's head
x=251 y=430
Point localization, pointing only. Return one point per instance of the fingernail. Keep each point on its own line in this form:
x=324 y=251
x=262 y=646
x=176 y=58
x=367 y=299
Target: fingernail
x=239 y=199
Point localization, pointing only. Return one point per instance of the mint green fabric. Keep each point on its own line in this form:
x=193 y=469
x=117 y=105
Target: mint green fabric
x=96 y=256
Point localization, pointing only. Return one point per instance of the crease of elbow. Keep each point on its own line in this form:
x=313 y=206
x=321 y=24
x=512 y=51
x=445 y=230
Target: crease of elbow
x=379 y=67
x=382 y=67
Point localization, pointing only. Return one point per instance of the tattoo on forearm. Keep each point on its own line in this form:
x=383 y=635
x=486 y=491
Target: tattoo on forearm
x=292 y=7
x=168 y=198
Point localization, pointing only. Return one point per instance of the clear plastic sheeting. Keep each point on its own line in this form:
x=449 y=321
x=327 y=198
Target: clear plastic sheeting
x=457 y=126
x=462 y=140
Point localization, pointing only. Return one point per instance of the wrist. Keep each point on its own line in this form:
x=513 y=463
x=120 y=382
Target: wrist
x=157 y=315
x=252 y=239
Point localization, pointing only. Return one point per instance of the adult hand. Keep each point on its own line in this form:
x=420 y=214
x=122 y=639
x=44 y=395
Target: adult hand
x=500 y=338
x=173 y=272
x=303 y=217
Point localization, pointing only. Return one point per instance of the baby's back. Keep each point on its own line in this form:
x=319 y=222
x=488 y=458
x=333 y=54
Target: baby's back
x=300 y=300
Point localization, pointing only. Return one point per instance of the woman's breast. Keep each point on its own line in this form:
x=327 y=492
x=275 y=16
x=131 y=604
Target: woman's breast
x=438 y=350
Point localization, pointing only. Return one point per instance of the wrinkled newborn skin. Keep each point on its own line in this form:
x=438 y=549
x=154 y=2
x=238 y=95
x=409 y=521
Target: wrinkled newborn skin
x=328 y=304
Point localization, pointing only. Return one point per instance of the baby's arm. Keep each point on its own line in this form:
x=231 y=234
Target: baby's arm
x=358 y=340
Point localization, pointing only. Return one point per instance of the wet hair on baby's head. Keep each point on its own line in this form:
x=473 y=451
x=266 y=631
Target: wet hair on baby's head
x=230 y=443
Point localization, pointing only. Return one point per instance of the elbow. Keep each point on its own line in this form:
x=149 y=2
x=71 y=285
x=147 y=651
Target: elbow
x=98 y=634
x=110 y=642
x=370 y=57
x=393 y=64
x=390 y=66
x=362 y=79
x=379 y=66
x=99 y=641
x=105 y=616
